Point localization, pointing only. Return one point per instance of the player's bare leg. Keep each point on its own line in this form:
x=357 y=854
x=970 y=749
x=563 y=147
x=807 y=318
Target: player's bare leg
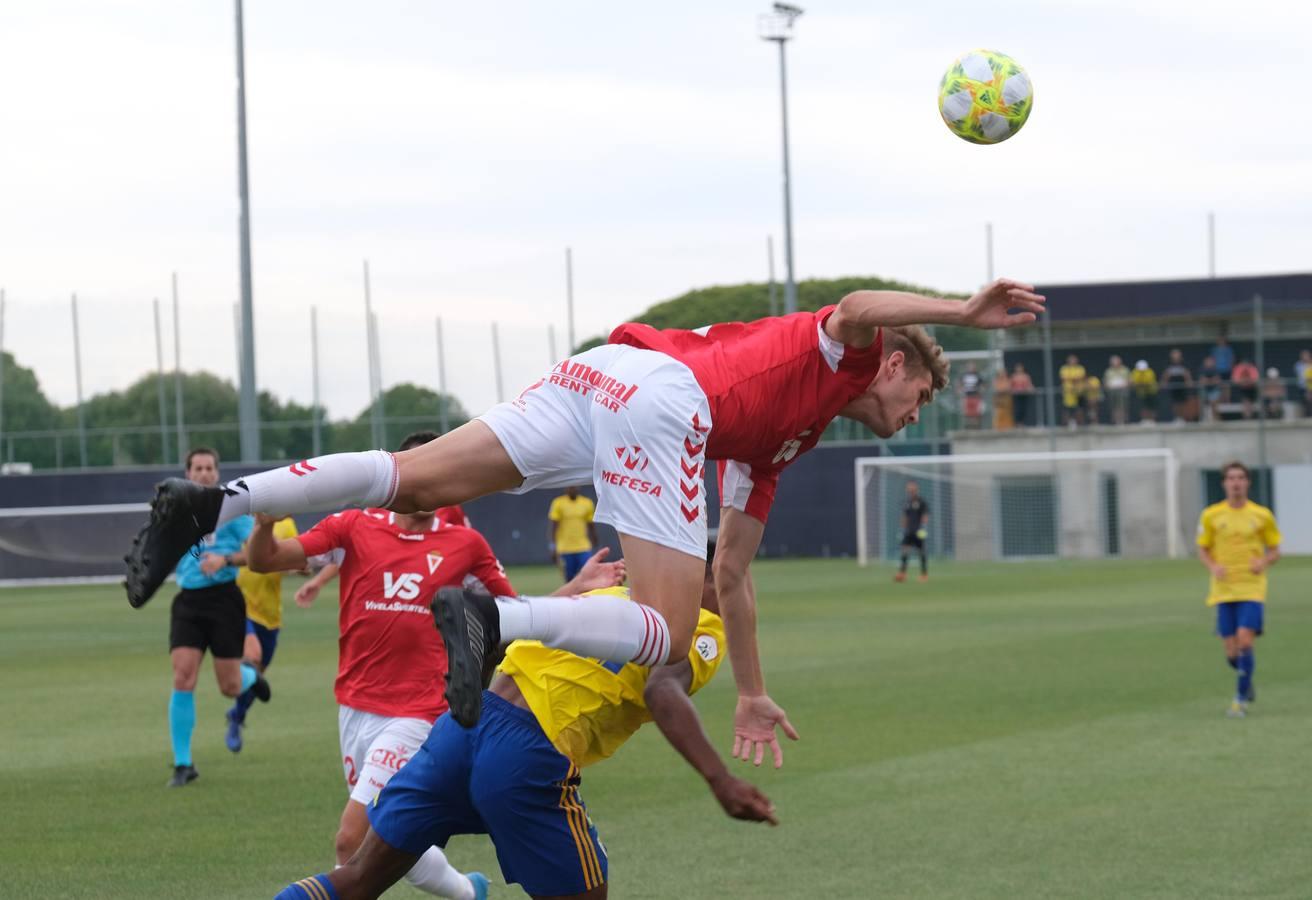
x=457 y=467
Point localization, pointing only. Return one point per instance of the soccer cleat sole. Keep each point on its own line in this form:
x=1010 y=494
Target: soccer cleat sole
x=137 y=581
x=452 y=613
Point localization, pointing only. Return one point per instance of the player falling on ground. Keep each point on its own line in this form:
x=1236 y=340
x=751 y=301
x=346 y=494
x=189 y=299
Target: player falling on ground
x=915 y=531
x=1238 y=541
x=516 y=775
x=639 y=417
x=391 y=659
x=263 y=595
x=209 y=613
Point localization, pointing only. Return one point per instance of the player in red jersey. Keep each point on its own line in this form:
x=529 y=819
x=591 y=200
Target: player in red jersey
x=391 y=660
x=453 y=515
x=640 y=416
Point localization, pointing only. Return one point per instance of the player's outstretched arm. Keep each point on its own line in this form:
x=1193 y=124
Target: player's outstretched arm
x=666 y=696
x=595 y=575
x=265 y=553
x=756 y=716
x=306 y=593
x=862 y=313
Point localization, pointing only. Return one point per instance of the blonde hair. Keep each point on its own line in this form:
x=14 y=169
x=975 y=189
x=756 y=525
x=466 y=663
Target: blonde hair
x=922 y=354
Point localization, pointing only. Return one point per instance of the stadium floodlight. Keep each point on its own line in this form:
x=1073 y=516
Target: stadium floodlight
x=777 y=26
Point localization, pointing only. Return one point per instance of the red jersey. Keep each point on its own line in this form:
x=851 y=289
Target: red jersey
x=773 y=386
x=453 y=515
x=391 y=661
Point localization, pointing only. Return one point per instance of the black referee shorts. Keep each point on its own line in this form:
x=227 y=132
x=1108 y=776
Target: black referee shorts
x=212 y=618
x=909 y=539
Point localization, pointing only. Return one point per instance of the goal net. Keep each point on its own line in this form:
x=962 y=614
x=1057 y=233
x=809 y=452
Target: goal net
x=1004 y=506
x=67 y=543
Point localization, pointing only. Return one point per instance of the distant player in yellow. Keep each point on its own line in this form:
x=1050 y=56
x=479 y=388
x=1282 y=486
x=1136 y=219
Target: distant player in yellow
x=515 y=775
x=1238 y=541
x=571 y=533
x=263 y=595
x=1072 y=389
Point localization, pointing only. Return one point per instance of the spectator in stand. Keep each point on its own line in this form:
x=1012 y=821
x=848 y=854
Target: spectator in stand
x=1144 y=380
x=1003 y=413
x=1179 y=381
x=1303 y=380
x=1022 y=390
x=1092 y=400
x=971 y=386
x=1224 y=357
x=1116 y=381
x=1209 y=379
x=1273 y=394
x=1245 y=378
x=1306 y=385
x=1072 y=389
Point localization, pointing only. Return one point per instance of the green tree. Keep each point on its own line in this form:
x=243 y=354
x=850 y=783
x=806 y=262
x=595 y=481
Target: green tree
x=26 y=408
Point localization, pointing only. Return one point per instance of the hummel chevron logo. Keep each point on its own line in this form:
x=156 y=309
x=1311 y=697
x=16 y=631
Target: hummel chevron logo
x=691 y=448
x=301 y=468
x=698 y=426
x=690 y=514
x=689 y=491
x=689 y=469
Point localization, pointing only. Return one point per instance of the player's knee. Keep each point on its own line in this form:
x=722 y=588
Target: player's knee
x=230 y=686
x=184 y=680
x=345 y=843
x=680 y=642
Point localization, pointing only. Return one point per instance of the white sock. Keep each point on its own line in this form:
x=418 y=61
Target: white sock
x=434 y=875
x=313 y=485
x=604 y=627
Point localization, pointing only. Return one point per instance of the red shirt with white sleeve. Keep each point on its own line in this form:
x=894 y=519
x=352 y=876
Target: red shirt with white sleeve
x=391 y=660
x=773 y=386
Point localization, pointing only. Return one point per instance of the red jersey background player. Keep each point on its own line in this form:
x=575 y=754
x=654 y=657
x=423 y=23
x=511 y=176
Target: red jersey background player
x=640 y=418
x=391 y=661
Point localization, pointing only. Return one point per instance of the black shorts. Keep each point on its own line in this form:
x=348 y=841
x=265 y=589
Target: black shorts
x=212 y=618
x=909 y=539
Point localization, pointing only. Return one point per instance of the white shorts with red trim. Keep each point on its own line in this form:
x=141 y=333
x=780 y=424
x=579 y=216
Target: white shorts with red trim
x=374 y=748
x=635 y=423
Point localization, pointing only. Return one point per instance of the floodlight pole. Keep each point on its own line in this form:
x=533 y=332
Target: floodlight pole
x=317 y=433
x=248 y=410
x=177 y=376
x=159 y=390
x=779 y=28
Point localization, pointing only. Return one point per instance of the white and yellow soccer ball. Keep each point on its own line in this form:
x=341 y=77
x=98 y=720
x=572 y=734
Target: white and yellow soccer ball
x=985 y=97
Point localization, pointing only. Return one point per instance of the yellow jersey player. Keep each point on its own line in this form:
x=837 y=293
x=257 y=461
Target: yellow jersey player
x=571 y=533
x=515 y=774
x=263 y=595
x=1238 y=541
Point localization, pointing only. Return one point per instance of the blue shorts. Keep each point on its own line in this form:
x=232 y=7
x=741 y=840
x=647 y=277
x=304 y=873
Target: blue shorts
x=268 y=638
x=1230 y=617
x=502 y=778
x=574 y=562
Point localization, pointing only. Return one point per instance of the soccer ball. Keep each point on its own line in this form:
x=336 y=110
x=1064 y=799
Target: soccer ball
x=985 y=97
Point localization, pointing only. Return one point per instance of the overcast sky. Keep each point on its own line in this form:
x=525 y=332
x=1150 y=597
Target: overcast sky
x=460 y=148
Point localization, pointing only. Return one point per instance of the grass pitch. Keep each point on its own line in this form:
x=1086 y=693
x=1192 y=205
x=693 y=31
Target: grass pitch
x=1037 y=730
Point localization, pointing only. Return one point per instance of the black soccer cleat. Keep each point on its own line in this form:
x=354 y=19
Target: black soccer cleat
x=471 y=629
x=181 y=514
x=261 y=688
x=183 y=776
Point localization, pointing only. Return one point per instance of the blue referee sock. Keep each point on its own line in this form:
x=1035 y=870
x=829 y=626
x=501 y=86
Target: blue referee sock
x=1246 y=666
x=249 y=675
x=182 y=719
x=316 y=888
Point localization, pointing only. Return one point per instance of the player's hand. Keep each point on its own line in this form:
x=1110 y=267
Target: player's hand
x=922 y=533
x=211 y=563
x=990 y=307
x=1218 y=572
x=597 y=573
x=264 y=520
x=1257 y=565
x=741 y=799
x=306 y=593
x=754 y=722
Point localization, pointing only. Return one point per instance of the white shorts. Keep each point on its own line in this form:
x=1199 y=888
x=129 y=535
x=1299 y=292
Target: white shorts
x=635 y=423
x=374 y=748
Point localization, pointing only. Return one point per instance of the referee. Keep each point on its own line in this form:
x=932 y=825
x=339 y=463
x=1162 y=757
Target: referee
x=209 y=612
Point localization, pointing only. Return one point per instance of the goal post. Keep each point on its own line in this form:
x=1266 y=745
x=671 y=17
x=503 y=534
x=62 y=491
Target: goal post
x=1078 y=504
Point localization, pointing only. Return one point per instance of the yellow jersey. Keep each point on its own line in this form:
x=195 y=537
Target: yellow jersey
x=1144 y=381
x=263 y=593
x=1072 y=383
x=571 y=518
x=1235 y=537
x=588 y=708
